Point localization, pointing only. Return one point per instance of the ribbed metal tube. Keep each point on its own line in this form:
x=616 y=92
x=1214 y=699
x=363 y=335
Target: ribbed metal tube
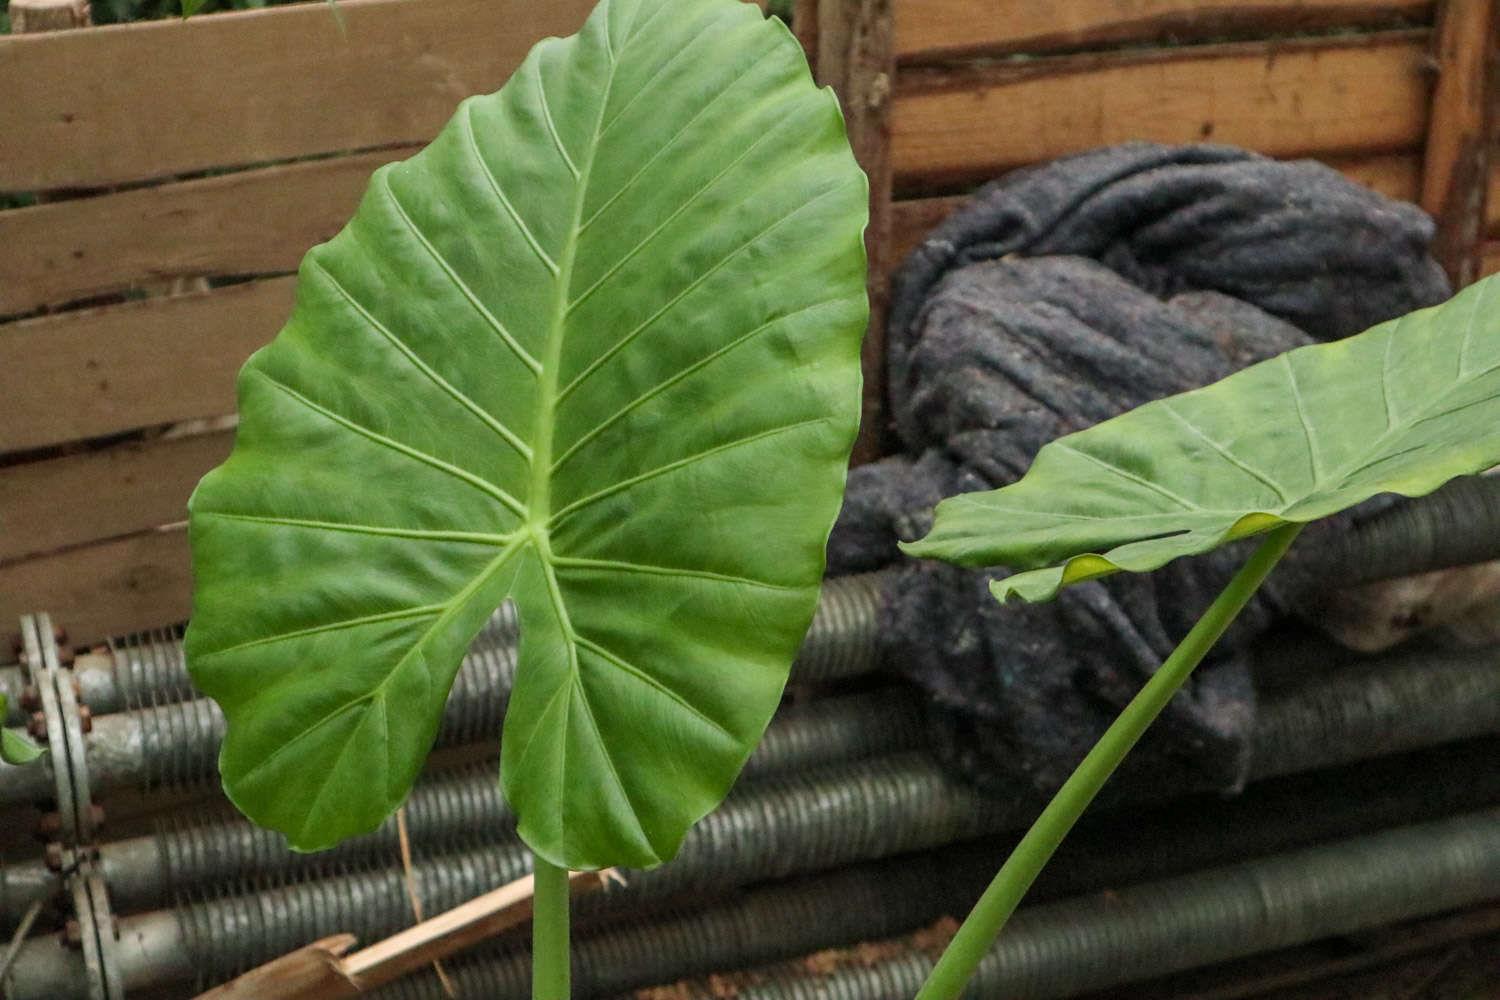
x=883 y=899
x=1456 y=525
x=1384 y=705
x=176 y=744
x=464 y=807
x=148 y=668
x=768 y=829
x=762 y=925
x=1061 y=949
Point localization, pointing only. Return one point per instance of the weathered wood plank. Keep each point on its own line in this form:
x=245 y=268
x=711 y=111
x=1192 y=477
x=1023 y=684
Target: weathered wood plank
x=855 y=56
x=252 y=222
x=1304 y=98
x=87 y=497
x=96 y=372
x=302 y=85
x=101 y=590
x=933 y=29
x=1456 y=168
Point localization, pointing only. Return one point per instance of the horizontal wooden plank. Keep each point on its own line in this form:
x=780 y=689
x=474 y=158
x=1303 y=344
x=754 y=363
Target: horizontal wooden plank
x=1396 y=176
x=101 y=590
x=935 y=29
x=96 y=372
x=252 y=222
x=90 y=496
x=100 y=106
x=1288 y=99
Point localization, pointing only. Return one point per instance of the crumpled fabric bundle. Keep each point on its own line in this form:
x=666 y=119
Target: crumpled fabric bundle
x=1057 y=297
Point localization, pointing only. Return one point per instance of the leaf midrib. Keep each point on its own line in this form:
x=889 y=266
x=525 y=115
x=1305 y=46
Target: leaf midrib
x=539 y=498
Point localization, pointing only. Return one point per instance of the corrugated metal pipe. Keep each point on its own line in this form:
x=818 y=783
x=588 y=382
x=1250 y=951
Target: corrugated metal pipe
x=880 y=900
x=1062 y=949
x=767 y=829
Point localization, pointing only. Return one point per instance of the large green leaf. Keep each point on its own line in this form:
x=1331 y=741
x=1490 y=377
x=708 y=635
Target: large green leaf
x=15 y=748
x=1401 y=408
x=595 y=349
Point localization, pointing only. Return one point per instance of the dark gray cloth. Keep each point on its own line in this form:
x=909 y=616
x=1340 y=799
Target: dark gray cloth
x=1057 y=297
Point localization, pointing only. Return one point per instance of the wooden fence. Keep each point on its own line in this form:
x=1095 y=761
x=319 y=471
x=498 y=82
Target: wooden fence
x=225 y=146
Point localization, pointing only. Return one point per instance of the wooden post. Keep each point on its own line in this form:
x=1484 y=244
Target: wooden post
x=31 y=16
x=1461 y=134
x=854 y=52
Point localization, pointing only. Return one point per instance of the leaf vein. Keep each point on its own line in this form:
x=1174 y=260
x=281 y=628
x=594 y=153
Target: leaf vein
x=494 y=182
x=1225 y=453
x=696 y=366
x=415 y=454
x=458 y=283
x=680 y=132
x=422 y=611
x=622 y=566
x=671 y=217
x=541 y=91
x=565 y=622
x=688 y=290
x=1307 y=434
x=1061 y=445
x=477 y=537
x=661 y=470
x=655 y=684
x=460 y=397
x=377 y=693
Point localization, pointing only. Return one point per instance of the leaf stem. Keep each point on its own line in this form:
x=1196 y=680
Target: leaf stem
x=551 y=960
x=974 y=938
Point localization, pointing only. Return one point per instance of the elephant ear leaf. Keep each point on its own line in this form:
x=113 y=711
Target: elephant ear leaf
x=15 y=748
x=596 y=350
x=1401 y=408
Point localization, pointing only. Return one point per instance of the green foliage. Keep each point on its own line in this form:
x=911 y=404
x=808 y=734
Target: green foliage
x=1401 y=408
x=122 y=11
x=15 y=748
x=595 y=349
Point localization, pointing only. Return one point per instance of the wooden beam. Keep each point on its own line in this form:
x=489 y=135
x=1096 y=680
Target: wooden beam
x=392 y=74
x=97 y=591
x=933 y=30
x=1460 y=134
x=1318 y=97
x=95 y=495
x=251 y=222
x=96 y=372
x=856 y=57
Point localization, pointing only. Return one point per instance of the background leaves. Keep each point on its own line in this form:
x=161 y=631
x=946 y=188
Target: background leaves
x=15 y=748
